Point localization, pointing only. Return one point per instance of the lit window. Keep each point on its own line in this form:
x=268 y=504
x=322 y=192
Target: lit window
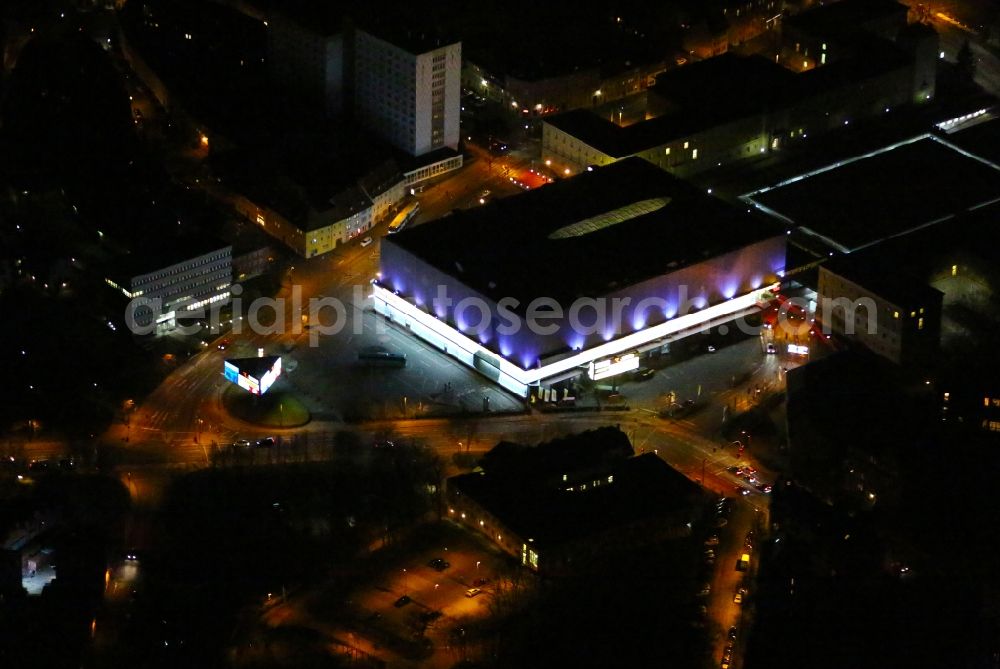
x=686 y=144
x=895 y=314
x=954 y=270
x=694 y=154
x=564 y=477
x=824 y=47
x=667 y=151
x=920 y=324
x=921 y=310
x=913 y=314
x=822 y=59
x=611 y=479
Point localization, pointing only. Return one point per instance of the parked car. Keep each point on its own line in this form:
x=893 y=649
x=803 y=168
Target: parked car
x=644 y=374
x=439 y=564
x=771 y=348
x=402 y=601
x=472 y=592
x=366 y=241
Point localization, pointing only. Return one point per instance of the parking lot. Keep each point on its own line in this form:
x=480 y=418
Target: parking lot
x=410 y=602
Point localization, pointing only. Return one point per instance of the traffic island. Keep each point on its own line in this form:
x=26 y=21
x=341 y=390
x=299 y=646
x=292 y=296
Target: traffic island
x=278 y=408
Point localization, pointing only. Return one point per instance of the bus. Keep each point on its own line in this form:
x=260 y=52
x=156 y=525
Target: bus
x=377 y=357
x=405 y=215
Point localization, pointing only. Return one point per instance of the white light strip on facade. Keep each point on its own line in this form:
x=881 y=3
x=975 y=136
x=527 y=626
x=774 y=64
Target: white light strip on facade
x=386 y=301
x=640 y=337
x=965 y=153
x=748 y=197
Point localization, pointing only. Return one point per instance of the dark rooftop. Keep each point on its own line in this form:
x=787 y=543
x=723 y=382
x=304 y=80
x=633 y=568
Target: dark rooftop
x=983 y=139
x=858 y=203
x=178 y=225
x=408 y=162
x=311 y=172
x=325 y=18
x=714 y=85
x=579 y=451
x=722 y=89
x=700 y=95
x=845 y=16
x=855 y=400
x=588 y=235
x=643 y=487
x=906 y=285
x=917 y=258
x=413 y=37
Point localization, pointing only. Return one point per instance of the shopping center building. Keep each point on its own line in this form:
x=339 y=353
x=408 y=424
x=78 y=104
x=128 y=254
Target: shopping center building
x=580 y=276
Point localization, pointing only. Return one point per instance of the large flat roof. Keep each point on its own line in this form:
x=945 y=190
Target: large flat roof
x=590 y=235
x=846 y=16
x=917 y=258
x=860 y=201
x=982 y=139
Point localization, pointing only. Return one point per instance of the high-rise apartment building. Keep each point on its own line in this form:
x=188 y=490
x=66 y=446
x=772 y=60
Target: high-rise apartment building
x=408 y=90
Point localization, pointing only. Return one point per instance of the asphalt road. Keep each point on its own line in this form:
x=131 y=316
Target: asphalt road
x=174 y=426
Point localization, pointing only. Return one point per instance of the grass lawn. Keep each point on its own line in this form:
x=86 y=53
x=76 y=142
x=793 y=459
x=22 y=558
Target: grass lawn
x=276 y=408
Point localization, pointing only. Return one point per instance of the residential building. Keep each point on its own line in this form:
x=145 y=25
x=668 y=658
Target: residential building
x=853 y=421
x=728 y=108
x=407 y=89
x=172 y=279
x=307 y=54
x=314 y=192
x=892 y=315
x=560 y=505
x=542 y=92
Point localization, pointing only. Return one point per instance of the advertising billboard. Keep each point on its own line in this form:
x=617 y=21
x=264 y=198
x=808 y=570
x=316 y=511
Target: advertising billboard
x=255 y=375
x=602 y=369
